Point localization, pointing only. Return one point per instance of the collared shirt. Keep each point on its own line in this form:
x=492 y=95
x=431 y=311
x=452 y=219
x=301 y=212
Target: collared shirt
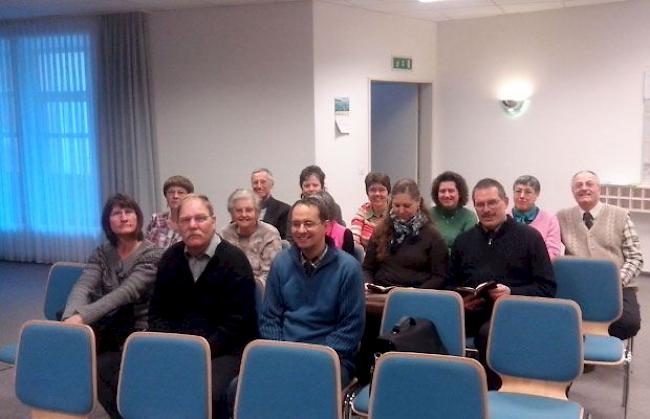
x=364 y=222
x=198 y=263
x=159 y=231
x=263 y=204
x=313 y=264
x=595 y=211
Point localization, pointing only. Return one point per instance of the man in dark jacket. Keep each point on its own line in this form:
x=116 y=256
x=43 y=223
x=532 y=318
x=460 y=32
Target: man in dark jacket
x=273 y=211
x=497 y=249
x=205 y=287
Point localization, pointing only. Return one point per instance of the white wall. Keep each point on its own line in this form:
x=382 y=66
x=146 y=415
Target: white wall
x=352 y=47
x=233 y=91
x=586 y=65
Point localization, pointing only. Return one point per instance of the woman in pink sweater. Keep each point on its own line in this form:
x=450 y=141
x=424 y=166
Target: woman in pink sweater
x=526 y=191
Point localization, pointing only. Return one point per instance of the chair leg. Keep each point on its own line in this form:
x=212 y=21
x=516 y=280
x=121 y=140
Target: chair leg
x=626 y=373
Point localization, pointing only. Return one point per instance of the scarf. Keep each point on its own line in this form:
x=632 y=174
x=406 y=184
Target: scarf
x=404 y=229
x=525 y=217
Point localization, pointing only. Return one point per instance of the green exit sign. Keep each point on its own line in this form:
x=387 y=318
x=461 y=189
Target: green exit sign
x=402 y=63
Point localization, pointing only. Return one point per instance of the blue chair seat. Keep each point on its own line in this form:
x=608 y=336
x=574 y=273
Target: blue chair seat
x=608 y=349
x=361 y=402
x=517 y=406
x=8 y=353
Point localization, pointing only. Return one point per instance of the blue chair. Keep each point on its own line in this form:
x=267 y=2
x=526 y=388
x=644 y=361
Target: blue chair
x=165 y=375
x=443 y=308
x=284 y=380
x=55 y=369
x=535 y=345
x=60 y=280
x=409 y=385
x=596 y=287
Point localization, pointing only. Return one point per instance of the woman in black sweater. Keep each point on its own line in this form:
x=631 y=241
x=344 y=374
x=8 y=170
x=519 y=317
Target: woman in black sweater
x=406 y=249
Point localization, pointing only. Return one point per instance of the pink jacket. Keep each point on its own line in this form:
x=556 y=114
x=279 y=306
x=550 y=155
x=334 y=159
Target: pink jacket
x=549 y=227
x=336 y=232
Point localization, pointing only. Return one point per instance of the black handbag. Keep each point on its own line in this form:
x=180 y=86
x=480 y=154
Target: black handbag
x=409 y=335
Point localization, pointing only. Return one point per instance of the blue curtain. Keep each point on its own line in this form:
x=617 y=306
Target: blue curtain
x=50 y=199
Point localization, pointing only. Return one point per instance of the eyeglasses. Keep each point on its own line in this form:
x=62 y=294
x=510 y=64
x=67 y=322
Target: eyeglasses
x=308 y=225
x=491 y=204
x=198 y=219
x=122 y=211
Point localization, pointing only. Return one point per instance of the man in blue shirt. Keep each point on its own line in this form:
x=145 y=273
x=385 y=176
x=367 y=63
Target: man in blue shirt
x=314 y=291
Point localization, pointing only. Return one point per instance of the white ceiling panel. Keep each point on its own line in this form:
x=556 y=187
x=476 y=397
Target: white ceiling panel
x=435 y=11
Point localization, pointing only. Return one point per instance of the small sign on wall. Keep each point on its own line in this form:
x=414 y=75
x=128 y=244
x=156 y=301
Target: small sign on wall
x=402 y=63
x=342 y=114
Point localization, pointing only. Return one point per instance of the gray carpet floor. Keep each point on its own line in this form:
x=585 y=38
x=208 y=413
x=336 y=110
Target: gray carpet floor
x=22 y=287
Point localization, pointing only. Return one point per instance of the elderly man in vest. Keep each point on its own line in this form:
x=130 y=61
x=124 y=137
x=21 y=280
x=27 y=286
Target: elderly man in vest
x=596 y=230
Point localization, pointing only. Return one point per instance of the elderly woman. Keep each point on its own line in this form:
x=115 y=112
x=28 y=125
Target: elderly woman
x=526 y=191
x=406 y=249
x=258 y=240
x=449 y=192
x=372 y=212
x=163 y=227
x=112 y=294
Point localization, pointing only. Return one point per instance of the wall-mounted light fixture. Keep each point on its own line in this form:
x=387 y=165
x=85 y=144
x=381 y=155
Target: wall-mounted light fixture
x=514 y=98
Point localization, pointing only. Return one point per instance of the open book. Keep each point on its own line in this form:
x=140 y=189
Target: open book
x=378 y=289
x=481 y=290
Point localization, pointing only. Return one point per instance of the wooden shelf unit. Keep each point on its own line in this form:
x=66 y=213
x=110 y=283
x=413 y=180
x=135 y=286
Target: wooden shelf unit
x=632 y=197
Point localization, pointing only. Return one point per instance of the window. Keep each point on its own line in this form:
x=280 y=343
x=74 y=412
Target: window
x=49 y=170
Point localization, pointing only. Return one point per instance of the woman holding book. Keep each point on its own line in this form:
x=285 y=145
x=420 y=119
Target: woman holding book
x=406 y=249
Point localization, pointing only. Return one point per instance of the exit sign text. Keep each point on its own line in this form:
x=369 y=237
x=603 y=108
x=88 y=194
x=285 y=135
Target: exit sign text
x=402 y=63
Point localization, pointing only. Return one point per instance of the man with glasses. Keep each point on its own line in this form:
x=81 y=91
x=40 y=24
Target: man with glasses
x=314 y=291
x=205 y=287
x=497 y=249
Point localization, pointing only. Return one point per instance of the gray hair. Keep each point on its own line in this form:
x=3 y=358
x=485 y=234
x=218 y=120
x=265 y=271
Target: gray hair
x=269 y=174
x=573 y=178
x=200 y=197
x=243 y=194
x=528 y=180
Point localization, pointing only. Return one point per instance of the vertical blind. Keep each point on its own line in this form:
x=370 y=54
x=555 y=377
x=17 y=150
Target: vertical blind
x=49 y=169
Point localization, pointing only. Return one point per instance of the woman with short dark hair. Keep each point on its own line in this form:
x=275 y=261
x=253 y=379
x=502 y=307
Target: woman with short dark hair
x=312 y=181
x=163 y=227
x=450 y=194
x=525 y=211
x=372 y=212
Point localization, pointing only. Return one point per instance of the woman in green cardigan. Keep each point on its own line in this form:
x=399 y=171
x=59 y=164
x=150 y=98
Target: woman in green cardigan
x=449 y=192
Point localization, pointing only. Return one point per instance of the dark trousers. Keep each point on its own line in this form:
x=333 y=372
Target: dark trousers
x=477 y=324
x=224 y=369
x=629 y=323
x=108 y=372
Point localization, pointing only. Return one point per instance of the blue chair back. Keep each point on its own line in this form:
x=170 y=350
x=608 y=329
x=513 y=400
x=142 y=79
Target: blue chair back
x=593 y=284
x=443 y=308
x=61 y=279
x=165 y=375
x=55 y=367
x=280 y=380
x=536 y=338
x=408 y=385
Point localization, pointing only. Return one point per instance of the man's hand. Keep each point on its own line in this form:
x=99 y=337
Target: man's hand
x=472 y=302
x=498 y=292
x=75 y=319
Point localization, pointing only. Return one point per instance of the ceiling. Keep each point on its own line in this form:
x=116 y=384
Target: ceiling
x=438 y=10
